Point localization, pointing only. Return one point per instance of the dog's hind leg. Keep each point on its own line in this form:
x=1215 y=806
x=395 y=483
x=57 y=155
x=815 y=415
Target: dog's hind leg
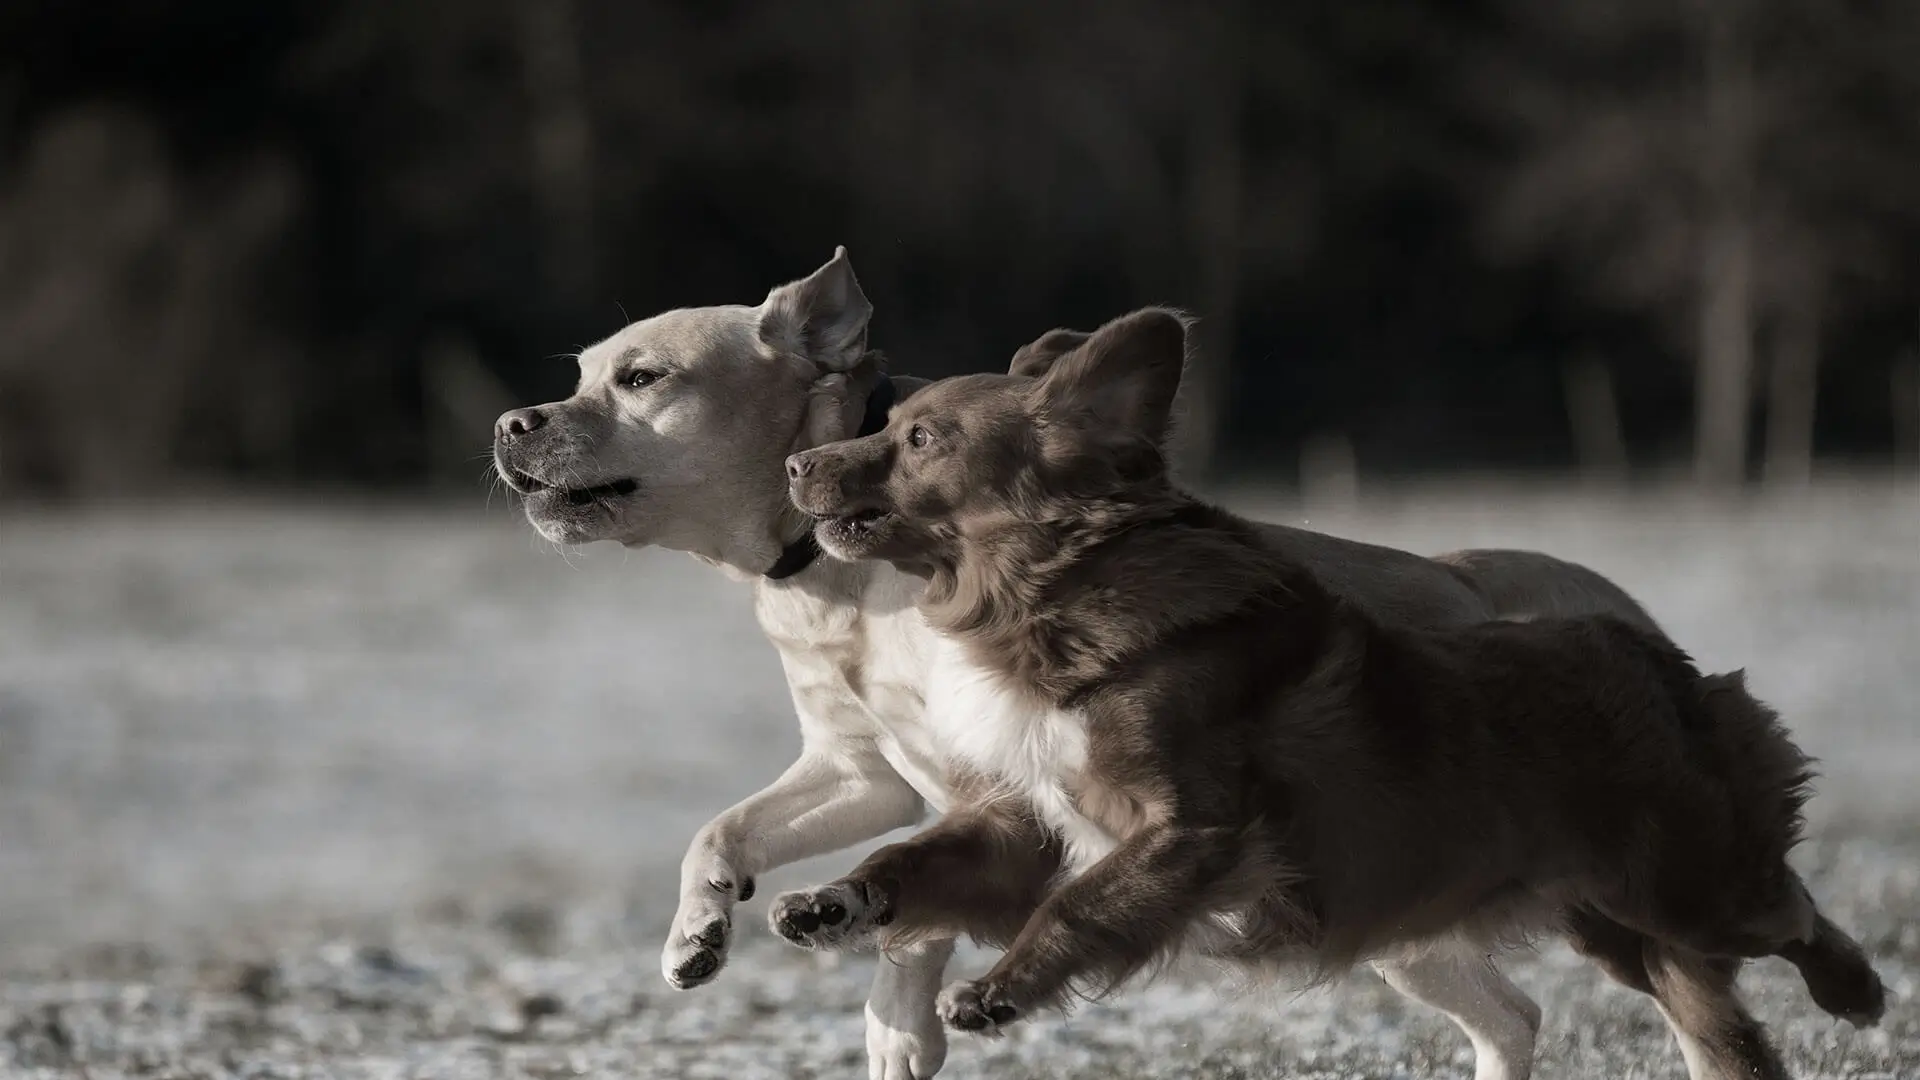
x=1834 y=967
x=1718 y=1038
x=1614 y=949
x=905 y=1039
x=1459 y=979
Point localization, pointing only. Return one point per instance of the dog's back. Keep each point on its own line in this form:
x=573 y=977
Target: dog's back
x=1459 y=588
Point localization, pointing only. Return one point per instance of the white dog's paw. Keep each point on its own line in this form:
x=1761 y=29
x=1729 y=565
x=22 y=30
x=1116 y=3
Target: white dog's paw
x=845 y=915
x=981 y=1007
x=904 y=1048
x=696 y=948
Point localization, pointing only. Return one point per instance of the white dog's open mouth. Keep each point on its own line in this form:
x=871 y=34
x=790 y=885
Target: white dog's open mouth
x=527 y=484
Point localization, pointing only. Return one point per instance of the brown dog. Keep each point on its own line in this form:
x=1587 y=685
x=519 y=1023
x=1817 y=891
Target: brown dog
x=1223 y=756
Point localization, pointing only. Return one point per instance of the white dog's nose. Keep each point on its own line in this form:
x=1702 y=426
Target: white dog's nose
x=517 y=422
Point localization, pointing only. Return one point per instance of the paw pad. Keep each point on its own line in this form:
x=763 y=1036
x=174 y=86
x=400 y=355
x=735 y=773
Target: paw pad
x=977 y=1007
x=711 y=936
x=701 y=965
x=841 y=915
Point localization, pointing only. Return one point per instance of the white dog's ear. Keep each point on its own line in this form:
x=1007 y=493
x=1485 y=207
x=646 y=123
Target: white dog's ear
x=822 y=317
x=1124 y=376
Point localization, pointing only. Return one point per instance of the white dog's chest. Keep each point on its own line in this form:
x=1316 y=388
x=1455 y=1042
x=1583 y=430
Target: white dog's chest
x=1033 y=751
x=874 y=668
x=859 y=668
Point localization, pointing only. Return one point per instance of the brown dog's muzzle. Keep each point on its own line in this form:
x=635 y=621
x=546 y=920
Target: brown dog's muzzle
x=840 y=478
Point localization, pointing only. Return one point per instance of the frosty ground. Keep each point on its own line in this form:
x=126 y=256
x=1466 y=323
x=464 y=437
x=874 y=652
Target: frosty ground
x=398 y=791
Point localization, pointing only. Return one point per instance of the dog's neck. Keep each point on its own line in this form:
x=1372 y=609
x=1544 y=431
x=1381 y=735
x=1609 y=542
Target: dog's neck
x=802 y=550
x=1058 y=604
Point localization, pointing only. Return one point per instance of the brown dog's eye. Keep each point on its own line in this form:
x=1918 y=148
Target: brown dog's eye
x=639 y=380
x=917 y=437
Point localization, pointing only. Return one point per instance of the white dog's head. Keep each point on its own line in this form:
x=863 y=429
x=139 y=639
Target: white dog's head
x=680 y=424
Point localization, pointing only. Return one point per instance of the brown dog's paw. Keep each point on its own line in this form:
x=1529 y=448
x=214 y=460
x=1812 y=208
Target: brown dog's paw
x=979 y=1006
x=845 y=915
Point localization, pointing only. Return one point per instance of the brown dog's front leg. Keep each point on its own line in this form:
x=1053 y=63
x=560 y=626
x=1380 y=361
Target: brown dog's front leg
x=1125 y=911
x=980 y=871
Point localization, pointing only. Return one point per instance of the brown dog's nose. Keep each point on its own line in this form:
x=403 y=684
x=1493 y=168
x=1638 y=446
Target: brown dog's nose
x=517 y=422
x=799 y=465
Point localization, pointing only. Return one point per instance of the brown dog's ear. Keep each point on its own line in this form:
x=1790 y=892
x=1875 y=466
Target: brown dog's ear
x=1125 y=375
x=1037 y=357
x=822 y=317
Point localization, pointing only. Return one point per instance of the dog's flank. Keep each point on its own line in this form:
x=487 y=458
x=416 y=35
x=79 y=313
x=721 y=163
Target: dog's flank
x=1347 y=786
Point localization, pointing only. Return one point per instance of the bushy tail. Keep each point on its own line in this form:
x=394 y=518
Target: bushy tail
x=1838 y=976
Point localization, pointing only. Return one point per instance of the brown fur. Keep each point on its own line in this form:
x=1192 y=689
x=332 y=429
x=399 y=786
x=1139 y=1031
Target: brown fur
x=1262 y=749
x=981 y=870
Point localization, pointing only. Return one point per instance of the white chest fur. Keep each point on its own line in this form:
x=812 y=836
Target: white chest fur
x=1033 y=750
x=856 y=653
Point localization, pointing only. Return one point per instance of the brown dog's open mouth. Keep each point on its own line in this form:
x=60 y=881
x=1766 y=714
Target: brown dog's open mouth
x=855 y=527
x=527 y=484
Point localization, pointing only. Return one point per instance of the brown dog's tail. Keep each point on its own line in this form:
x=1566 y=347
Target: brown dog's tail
x=1838 y=975
x=1769 y=780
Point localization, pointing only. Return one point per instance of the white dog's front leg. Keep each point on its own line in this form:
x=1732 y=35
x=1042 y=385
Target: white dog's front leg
x=905 y=1039
x=827 y=800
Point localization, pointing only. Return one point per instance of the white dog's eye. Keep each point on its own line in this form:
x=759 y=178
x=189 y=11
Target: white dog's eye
x=641 y=379
x=917 y=436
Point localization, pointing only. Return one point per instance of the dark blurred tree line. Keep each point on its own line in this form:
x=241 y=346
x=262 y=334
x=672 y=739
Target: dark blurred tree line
x=325 y=243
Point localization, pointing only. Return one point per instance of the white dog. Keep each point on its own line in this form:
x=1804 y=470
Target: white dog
x=677 y=436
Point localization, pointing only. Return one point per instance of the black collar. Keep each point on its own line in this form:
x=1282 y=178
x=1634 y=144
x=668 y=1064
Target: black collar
x=800 y=554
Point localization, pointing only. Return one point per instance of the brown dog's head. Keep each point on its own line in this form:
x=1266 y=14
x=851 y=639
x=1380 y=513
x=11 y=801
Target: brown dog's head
x=970 y=455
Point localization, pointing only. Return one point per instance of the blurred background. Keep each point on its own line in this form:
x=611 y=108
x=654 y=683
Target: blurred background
x=314 y=762
x=325 y=244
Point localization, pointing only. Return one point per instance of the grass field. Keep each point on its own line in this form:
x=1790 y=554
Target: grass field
x=393 y=791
